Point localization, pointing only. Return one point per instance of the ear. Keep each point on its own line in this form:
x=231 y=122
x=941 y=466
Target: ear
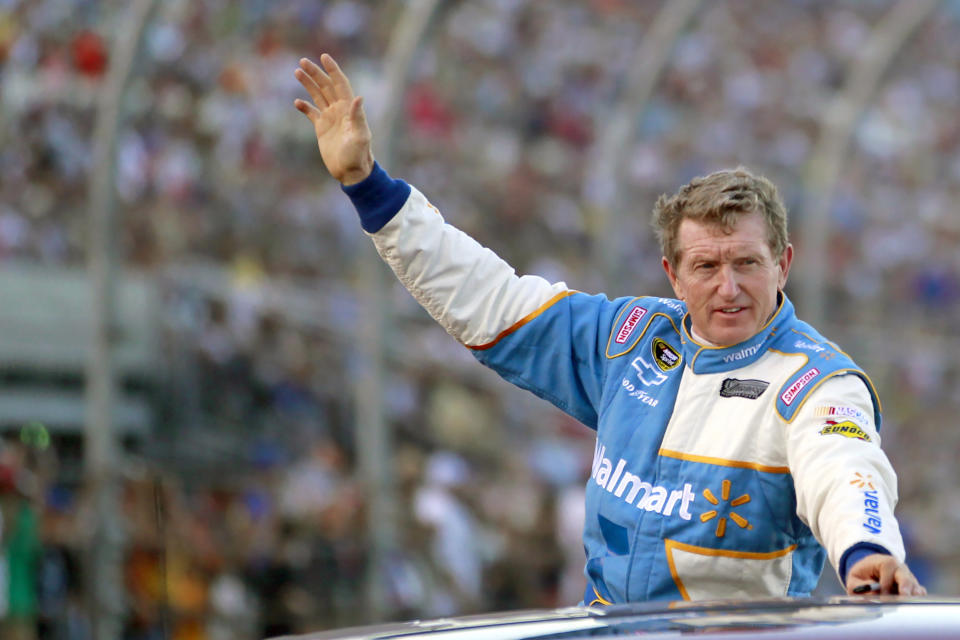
x=674 y=279
x=784 y=263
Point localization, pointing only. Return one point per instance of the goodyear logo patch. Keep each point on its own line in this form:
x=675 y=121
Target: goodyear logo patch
x=847 y=428
x=664 y=355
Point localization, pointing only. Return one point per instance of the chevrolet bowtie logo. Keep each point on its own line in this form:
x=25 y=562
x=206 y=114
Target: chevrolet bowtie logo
x=739 y=520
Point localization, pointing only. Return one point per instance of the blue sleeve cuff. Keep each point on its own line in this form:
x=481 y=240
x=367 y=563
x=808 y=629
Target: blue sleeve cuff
x=377 y=198
x=857 y=553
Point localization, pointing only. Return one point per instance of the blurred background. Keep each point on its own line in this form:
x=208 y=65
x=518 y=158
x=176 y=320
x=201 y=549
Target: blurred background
x=222 y=419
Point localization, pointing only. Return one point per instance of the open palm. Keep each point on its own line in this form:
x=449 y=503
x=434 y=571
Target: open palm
x=338 y=119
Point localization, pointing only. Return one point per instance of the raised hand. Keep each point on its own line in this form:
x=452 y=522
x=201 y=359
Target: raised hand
x=338 y=119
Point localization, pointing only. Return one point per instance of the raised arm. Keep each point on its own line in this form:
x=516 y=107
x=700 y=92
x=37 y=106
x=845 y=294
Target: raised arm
x=467 y=288
x=338 y=119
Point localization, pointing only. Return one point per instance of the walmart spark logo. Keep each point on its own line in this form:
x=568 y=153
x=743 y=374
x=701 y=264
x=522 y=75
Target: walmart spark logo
x=739 y=520
x=872 y=521
x=863 y=482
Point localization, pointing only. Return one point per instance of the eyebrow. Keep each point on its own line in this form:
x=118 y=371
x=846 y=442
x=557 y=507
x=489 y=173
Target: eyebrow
x=715 y=255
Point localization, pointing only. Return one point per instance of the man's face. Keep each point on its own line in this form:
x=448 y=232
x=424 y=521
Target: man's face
x=728 y=280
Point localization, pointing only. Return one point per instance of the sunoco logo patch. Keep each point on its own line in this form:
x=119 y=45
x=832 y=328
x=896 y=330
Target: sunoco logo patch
x=664 y=355
x=750 y=389
x=847 y=428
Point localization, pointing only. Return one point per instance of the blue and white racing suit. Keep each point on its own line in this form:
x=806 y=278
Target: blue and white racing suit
x=718 y=471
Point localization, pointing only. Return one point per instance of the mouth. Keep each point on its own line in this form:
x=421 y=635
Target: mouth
x=729 y=311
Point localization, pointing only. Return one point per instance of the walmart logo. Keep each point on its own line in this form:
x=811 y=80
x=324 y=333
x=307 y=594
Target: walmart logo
x=739 y=520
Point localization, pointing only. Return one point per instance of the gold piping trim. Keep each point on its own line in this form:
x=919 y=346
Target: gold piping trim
x=599 y=598
x=859 y=372
x=831 y=375
x=825 y=341
x=642 y=333
x=722 y=462
x=524 y=320
x=670 y=545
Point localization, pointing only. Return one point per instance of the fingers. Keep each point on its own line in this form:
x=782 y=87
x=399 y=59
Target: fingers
x=312 y=88
x=307 y=109
x=341 y=85
x=316 y=82
x=883 y=575
x=907 y=583
x=887 y=571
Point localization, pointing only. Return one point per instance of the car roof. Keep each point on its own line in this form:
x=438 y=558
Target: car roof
x=781 y=618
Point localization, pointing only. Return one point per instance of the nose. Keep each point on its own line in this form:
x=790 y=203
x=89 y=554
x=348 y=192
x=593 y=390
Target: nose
x=728 y=287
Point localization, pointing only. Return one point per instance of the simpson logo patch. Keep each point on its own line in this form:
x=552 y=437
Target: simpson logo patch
x=847 y=428
x=750 y=389
x=794 y=390
x=633 y=319
x=664 y=355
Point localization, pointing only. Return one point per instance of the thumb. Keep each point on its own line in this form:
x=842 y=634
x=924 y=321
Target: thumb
x=357 y=115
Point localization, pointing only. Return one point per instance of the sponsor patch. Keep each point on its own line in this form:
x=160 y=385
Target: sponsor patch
x=743 y=354
x=794 y=390
x=809 y=346
x=648 y=374
x=842 y=412
x=872 y=521
x=616 y=478
x=676 y=305
x=847 y=428
x=633 y=319
x=750 y=389
x=664 y=355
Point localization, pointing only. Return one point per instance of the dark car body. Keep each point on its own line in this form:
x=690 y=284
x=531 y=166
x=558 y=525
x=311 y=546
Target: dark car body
x=875 y=618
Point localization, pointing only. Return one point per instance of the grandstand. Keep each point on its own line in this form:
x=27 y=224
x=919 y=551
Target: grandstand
x=256 y=346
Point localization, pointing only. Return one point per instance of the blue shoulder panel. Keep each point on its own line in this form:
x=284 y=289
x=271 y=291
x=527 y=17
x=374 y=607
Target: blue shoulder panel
x=824 y=361
x=635 y=318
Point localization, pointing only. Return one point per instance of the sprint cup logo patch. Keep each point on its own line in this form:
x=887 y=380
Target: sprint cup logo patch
x=847 y=429
x=664 y=355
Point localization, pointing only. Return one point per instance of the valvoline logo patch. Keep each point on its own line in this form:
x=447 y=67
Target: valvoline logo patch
x=628 y=326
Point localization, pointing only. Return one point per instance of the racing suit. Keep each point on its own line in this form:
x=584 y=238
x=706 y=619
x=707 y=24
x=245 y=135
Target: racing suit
x=718 y=471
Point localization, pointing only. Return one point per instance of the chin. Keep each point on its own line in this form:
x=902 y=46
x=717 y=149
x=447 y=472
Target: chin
x=729 y=338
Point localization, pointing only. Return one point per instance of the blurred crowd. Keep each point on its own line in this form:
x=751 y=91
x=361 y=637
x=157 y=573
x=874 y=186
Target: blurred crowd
x=245 y=510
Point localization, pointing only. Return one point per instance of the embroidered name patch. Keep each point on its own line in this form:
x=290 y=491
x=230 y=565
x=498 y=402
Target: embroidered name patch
x=750 y=389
